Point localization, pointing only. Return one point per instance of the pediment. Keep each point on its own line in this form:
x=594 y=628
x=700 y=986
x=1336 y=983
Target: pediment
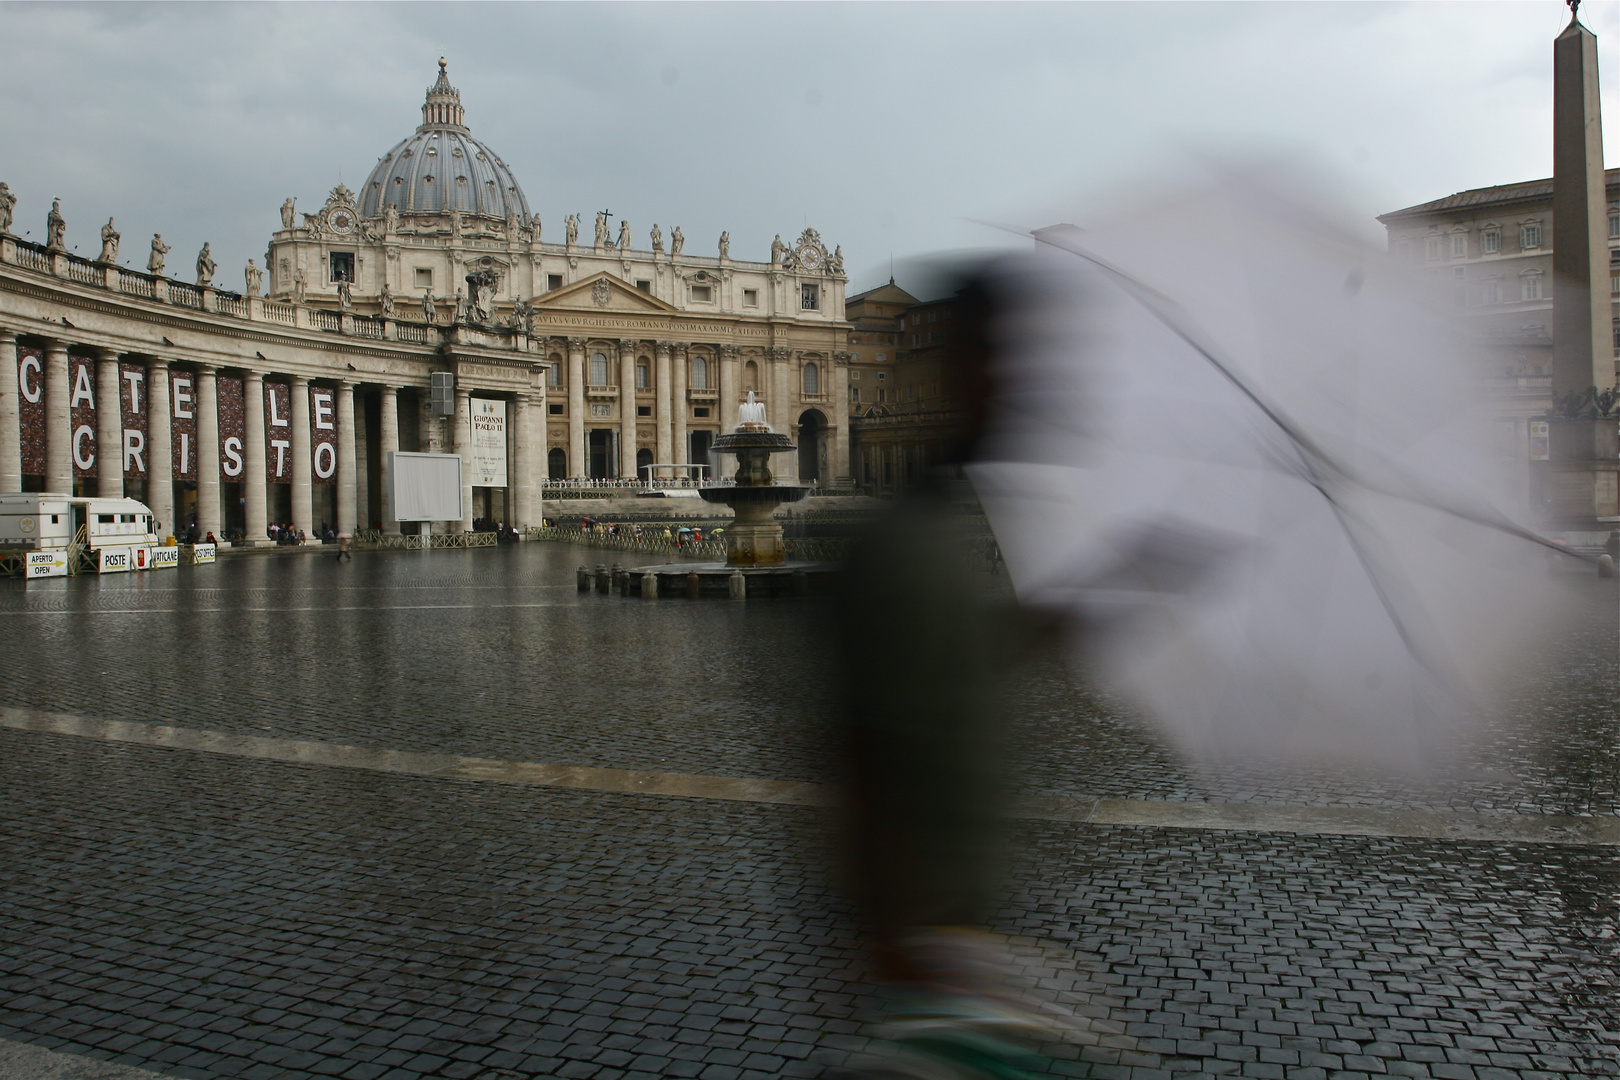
x=604 y=292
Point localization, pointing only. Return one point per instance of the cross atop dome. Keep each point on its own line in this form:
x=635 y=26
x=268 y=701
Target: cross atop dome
x=443 y=105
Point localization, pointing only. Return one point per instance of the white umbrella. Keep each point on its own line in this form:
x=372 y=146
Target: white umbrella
x=1251 y=456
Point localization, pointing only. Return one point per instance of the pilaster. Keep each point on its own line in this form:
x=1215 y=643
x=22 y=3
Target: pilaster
x=10 y=415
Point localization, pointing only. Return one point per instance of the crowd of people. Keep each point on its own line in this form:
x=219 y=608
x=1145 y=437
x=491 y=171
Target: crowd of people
x=678 y=536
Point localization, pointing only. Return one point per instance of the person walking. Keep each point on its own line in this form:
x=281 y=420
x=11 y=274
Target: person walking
x=343 y=547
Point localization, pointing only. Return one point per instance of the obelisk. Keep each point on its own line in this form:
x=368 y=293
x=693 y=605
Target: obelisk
x=1583 y=358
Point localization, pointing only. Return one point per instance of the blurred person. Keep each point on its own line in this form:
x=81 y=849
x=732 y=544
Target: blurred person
x=927 y=652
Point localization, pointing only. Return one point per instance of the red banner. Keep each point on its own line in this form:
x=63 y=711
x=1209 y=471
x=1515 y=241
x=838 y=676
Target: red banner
x=183 y=417
x=278 y=433
x=232 y=429
x=323 y=434
x=133 y=409
x=82 y=415
x=31 y=408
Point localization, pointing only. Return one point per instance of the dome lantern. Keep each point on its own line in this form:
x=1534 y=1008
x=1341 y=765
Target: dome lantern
x=443 y=105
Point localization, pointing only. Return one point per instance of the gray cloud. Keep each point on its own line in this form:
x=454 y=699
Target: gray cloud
x=891 y=128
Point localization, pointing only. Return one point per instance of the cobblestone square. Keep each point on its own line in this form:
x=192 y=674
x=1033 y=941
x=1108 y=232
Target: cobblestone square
x=221 y=914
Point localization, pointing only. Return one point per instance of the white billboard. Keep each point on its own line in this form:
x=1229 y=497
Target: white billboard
x=427 y=487
x=488 y=442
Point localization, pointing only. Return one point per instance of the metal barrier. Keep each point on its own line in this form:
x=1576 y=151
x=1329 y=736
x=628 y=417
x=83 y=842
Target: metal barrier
x=376 y=538
x=650 y=545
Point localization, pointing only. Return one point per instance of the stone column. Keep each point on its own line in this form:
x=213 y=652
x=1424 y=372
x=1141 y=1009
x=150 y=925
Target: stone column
x=348 y=491
x=255 y=482
x=785 y=465
x=58 y=421
x=839 y=416
x=627 y=408
x=678 y=404
x=10 y=415
x=208 y=508
x=463 y=446
x=160 y=447
x=303 y=494
x=109 y=429
x=388 y=442
x=520 y=468
x=662 y=398
x=728 y=388
x=577 y=463
x=362 y=466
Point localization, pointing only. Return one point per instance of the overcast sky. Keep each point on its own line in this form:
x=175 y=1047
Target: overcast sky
x=891 y=128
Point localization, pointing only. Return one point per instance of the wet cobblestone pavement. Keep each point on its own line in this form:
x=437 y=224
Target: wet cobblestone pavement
x=207 y=916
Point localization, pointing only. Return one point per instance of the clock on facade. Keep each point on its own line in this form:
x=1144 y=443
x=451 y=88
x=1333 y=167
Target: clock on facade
x=341 y=222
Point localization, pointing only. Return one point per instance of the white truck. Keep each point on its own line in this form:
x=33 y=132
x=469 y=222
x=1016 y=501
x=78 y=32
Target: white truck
x=41 y=528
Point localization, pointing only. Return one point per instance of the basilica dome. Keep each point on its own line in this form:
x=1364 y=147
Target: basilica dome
x=442 y=168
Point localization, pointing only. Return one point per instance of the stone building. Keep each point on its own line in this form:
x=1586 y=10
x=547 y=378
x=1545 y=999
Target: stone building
x=582 y=356
x=1491 y=250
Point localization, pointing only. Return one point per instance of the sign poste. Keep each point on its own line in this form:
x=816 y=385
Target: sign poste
x=113 y=560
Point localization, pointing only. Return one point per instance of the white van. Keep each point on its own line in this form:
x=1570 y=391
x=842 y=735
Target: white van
x=120 y=533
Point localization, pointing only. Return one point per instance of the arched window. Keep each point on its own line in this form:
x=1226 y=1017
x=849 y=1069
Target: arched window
x=599 y=369
x=700 y=373
x=812 y=380
x=557 y=464
x=750 y=377
x=643 y=374
x=554 y=370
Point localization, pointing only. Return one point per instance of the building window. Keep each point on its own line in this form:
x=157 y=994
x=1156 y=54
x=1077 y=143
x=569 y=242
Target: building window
x=422 y=276
x=554 y=409
x=812 y=380
x=883 y=376
x=1490 y=241
x=750 y=298
x=1530 y=235
x=644 y=285
x=553 y=282
x=855 y=375
x=882 y=358
x=599 y=369
x=642 y=380
x=1431 y=246
x=1459 y=245
x=1614 y=226
x=915 y=340
x=701 y=412
x=1492 y=291
x=702 y=293
x=809 y=297
x=854 y=395
x=700 y=373
x=643 y=410
x=1530 y=285
x=553 y=374
x=342 y=265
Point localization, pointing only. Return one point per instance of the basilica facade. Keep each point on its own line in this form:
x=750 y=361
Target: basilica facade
x=574 y=357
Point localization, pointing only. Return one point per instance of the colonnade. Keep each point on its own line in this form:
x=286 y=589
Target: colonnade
x=160 y=420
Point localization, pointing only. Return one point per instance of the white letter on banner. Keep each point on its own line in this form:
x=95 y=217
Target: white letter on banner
x=275 y=421
x=80 y=458
x=135 y=377
x=281 y=453
x=185 y=453
x=322 y=401
x=330 y=467
x=82 y=389
x=182 y=398
x=233 y=457
x=134 y=448
x=30 y=393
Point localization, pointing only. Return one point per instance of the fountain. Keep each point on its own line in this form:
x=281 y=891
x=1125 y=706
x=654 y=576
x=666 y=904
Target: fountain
x=754 y=539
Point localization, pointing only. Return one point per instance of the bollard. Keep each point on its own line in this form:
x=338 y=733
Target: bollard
x=693 y=585
x=1605 y=565
x=625 y=578
x=582 y=578
x=603 y=580
x=737 y=585
x=649 y=586
x=801 y=583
